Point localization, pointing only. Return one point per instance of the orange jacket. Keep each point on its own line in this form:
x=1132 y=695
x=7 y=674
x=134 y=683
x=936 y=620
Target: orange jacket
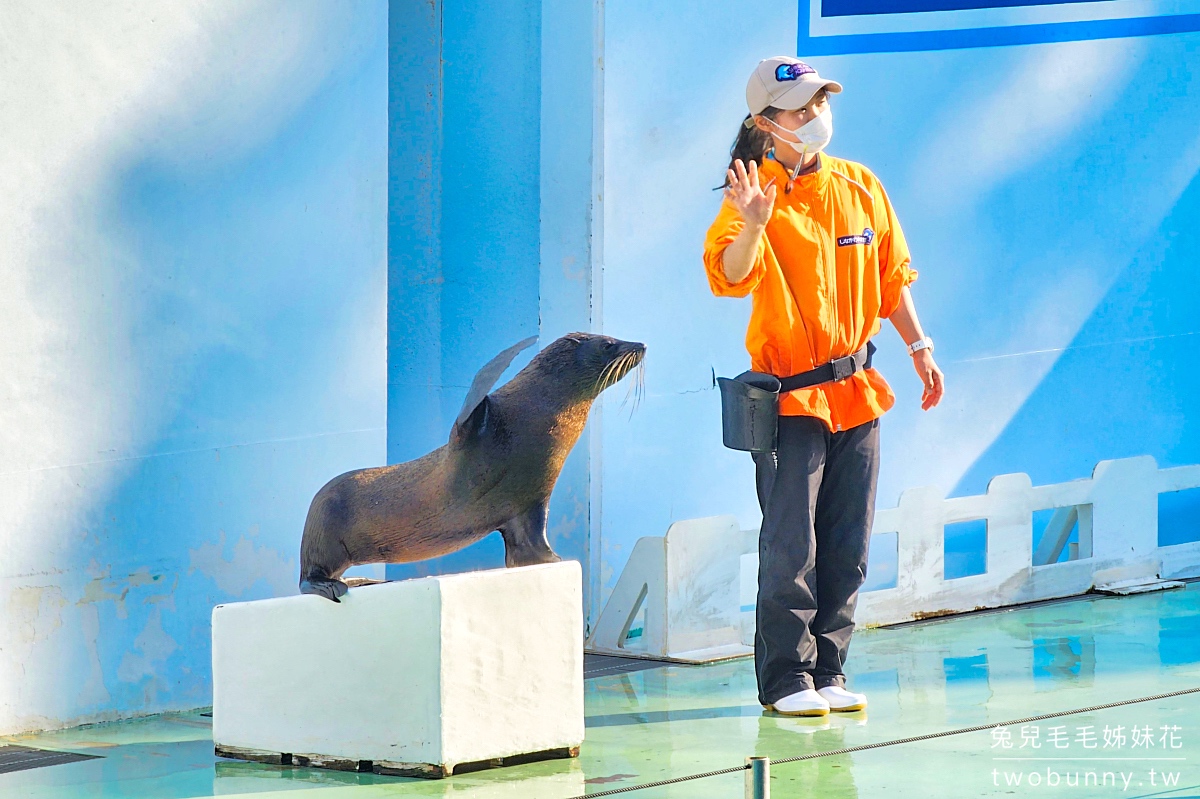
x=831 y=265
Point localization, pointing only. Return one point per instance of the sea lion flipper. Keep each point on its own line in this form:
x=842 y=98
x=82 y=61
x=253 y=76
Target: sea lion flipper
x=525 y=541
x=486 y=378
x=473 y=426
x=330 y=589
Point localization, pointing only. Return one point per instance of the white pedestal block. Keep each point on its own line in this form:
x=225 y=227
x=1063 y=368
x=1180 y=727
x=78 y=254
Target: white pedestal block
x=415 y=677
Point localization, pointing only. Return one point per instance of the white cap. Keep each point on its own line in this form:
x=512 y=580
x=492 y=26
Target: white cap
x=786 y=83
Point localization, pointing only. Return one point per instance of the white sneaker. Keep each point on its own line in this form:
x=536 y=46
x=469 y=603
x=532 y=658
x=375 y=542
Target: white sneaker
x=802 y=703
x=841 y=700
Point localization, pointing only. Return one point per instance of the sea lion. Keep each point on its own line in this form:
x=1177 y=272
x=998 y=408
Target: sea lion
x=505 y=451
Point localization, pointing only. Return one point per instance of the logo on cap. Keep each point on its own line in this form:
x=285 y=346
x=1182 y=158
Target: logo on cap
x=793 y=71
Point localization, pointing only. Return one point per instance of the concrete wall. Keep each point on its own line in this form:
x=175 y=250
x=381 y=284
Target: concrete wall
x=192 y=316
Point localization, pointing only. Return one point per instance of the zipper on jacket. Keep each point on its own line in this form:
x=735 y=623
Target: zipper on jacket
x=831 y=278
x=812 y=351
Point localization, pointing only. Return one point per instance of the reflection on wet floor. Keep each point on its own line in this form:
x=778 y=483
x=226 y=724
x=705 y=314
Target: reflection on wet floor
x=675 y=721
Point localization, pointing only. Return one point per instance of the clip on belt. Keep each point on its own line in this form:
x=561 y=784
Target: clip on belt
x=837 y=369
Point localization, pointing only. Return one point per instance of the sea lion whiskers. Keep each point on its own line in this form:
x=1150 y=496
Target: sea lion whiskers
x=635 y=388
x=620 y=367
x=600 y=378
x=629 y=390
x=614 y=371
x=638 y=388
x=624 y=363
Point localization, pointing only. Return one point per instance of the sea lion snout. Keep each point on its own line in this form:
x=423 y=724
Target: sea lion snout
x=591 y=362
x=626 y=347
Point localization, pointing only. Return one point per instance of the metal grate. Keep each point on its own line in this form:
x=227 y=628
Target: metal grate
x=20 y=758
x=604 y=665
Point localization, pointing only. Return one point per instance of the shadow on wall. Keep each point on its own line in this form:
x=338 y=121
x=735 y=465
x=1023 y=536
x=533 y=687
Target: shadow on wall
x=255 y=293
x=1126 y=385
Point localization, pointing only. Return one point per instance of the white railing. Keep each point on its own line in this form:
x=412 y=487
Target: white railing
x=696 y=585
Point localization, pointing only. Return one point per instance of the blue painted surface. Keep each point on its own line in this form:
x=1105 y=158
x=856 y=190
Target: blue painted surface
x=261 y=282
x=1041 y=520
x=571 y=250
x=184 y=533
x=965 y=547
x=1000 y=259
x=464 y=184
x=216 y=283
x=490 y=186
x=944 y=33
x=239 y=292
x=882 y=571
x=1178 y=517
x=1029 y=199
x=1125 y=384
x=849 y=8
x=414 y=289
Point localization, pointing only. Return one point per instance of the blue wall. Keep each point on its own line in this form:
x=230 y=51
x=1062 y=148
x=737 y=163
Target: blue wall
x=202 y=322
x=1045 y=190
x=1036 y=204
x=489 y=197
x=200 y=344
x=463 y=281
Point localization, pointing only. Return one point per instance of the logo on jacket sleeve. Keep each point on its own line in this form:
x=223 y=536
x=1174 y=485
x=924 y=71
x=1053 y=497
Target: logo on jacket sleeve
x=866 y=237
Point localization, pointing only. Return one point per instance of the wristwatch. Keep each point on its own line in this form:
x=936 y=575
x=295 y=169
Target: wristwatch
x=920 y=344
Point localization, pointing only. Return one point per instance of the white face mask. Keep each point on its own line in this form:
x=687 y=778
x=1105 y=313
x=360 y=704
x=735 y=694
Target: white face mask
x=813 y=136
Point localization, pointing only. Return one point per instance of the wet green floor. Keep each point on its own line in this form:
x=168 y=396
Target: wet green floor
x=982 y=669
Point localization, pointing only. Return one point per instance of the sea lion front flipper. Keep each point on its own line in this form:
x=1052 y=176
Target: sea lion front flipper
x=330 y=589
x=525 y=538
x=486 y=378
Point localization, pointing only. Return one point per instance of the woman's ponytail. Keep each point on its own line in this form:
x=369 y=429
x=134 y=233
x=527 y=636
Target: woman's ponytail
x=751 y=143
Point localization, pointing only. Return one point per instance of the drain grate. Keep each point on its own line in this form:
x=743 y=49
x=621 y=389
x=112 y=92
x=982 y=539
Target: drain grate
x=604 y=665
x=20 y=758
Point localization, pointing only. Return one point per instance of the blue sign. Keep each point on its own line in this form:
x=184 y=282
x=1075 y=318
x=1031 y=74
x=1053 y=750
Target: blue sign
x=854 y=8
x=842 y=27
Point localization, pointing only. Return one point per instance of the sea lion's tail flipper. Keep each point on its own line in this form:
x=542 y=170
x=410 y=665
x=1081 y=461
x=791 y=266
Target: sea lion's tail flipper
x=484 y=380
x=330 y=589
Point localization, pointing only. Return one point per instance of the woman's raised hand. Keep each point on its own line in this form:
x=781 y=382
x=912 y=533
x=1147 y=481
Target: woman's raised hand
x=753 y=201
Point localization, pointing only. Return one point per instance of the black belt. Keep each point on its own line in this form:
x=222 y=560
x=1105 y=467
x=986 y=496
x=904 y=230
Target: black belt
x=837 y=369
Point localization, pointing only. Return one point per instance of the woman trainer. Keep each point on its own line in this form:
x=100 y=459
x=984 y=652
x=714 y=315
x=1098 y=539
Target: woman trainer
x=815 y=241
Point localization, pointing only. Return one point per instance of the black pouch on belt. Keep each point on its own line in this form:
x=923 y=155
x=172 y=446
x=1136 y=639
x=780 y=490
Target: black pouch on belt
x=750 y=401
x=750 y=411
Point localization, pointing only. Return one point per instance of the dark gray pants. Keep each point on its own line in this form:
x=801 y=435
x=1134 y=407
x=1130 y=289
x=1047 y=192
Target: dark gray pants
x=817 y=494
